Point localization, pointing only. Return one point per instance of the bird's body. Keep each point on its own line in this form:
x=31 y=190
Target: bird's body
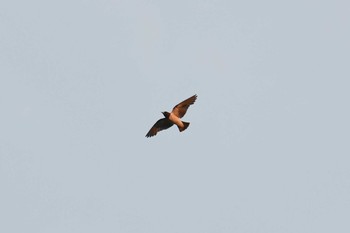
x=177 y=121
x=173 y=117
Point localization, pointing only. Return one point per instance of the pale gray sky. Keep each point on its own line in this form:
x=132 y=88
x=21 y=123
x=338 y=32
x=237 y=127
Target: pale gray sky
x=81 y=83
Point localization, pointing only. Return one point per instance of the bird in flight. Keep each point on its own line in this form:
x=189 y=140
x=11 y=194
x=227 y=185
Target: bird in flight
x=173 y=118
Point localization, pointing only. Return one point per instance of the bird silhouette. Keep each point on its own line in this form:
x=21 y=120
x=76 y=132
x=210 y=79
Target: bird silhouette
x=173 y=118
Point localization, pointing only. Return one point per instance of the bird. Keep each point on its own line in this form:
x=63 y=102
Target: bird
x=173 y=118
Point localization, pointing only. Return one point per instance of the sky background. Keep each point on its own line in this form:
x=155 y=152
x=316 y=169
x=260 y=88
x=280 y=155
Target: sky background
x=81 y=83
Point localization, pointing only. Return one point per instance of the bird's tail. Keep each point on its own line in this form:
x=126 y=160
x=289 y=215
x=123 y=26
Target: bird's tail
x=186 y=124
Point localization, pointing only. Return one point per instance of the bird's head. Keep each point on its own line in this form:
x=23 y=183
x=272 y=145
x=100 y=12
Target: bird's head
x=166 y=114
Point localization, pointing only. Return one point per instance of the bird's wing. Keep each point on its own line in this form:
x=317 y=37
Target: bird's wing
x=180 y=109
x=161 y=124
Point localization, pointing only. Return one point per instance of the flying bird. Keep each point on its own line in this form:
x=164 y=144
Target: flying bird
x=173 y=118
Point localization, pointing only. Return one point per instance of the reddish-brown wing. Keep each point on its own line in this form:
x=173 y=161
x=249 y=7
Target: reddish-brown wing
x=180 y=109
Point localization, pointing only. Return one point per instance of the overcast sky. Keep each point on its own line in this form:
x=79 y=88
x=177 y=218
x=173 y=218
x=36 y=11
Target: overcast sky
x=81 y=83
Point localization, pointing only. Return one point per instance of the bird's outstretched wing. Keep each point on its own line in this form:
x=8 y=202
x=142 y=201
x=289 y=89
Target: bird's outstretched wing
x=161 y=124
x=180 y=109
